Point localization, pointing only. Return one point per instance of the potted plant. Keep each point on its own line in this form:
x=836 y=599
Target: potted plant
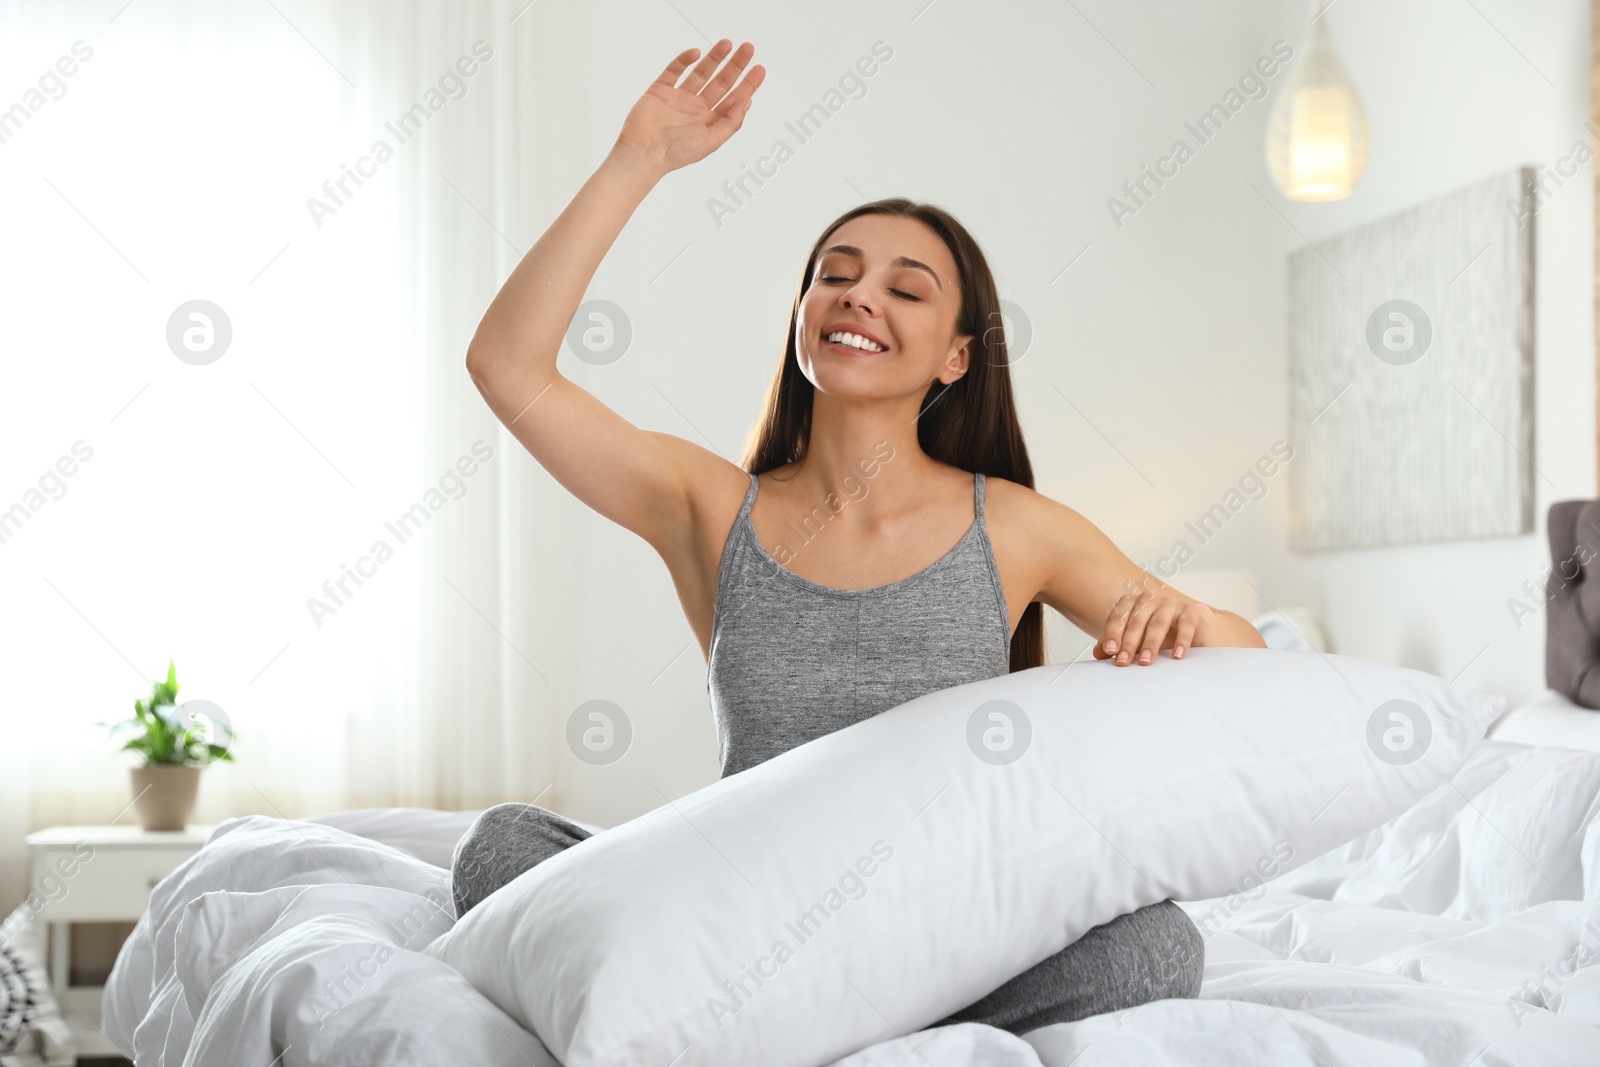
x=177 y=743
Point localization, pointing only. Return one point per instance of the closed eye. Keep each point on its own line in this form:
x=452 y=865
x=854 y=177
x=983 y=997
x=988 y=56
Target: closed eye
x=897 y=292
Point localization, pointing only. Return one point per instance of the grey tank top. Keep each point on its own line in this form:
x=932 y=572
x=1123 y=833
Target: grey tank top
x=792 y=660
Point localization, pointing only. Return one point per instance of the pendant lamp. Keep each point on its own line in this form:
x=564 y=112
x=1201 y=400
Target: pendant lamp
x=1317 y=137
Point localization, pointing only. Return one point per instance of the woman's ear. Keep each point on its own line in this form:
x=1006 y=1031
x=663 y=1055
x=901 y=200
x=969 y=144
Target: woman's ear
x=955 y=366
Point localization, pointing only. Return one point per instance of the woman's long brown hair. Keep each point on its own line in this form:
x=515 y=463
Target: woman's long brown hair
x=970 y=424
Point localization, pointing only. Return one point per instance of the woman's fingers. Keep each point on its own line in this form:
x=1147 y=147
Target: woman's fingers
x=1155 y=632
x=1187 y=624
x=1118 y=636
x=729 y=73
x=1133 y=633
x=702 y=70
x=669 y=76
x=1138 y=627
x=730 y=113
x=1113 y=630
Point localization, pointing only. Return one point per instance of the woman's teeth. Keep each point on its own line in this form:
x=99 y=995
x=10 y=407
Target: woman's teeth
x=854 y=340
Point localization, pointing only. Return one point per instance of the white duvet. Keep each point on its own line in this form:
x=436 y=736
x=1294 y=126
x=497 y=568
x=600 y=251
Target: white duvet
x=1466 y=931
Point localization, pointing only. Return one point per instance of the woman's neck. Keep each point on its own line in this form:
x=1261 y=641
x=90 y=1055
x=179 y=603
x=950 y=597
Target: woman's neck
x=872 y=459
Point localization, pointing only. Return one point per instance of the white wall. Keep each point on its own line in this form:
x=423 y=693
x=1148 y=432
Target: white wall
x=1453 y=99
x=1167 y=334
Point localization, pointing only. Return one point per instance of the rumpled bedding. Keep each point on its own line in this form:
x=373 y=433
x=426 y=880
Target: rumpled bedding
x=1466 y=931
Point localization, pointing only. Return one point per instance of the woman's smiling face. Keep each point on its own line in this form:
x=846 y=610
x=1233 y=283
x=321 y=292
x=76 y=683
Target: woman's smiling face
x=890 y=280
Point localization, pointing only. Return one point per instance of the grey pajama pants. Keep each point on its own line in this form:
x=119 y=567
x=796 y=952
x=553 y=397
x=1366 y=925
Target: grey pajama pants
x=1150 y=954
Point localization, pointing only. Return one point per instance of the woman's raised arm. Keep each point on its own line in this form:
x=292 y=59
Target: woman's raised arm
x=637 y=478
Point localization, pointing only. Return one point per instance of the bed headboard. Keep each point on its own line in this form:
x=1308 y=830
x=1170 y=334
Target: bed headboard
x=1572 y=613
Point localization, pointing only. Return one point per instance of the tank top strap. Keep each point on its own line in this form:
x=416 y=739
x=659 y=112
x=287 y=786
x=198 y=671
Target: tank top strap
x=749 y=498
x=977 y=496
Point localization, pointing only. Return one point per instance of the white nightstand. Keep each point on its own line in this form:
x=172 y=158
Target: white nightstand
x=97 y=874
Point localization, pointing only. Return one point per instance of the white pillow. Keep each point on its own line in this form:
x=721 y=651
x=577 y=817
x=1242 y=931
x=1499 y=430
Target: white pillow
x=874 y=880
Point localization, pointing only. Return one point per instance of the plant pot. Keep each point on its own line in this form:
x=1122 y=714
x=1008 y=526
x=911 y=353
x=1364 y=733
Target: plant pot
x=164 y=795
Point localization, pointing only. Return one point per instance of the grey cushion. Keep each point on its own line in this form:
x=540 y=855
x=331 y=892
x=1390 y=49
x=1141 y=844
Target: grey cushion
x=1572 y=614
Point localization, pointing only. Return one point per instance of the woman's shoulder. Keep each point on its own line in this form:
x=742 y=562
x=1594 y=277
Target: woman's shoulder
x=1029 y=520
x=1014 y=498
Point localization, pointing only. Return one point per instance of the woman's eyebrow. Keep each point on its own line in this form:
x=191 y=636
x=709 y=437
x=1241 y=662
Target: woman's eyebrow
x=899 y=261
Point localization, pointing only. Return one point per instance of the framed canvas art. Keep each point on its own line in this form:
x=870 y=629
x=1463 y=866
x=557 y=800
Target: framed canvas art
x=1411 y=374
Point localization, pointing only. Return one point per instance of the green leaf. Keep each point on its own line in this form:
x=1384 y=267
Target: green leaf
x=164 y=735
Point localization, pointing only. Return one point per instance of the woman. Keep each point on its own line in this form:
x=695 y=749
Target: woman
x=889 y=435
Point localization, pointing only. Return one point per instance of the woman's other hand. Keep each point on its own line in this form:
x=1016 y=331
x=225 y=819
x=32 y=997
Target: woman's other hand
x=675 y=124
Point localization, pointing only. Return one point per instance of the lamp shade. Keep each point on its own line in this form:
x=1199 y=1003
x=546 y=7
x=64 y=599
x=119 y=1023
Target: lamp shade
x=1317 y=137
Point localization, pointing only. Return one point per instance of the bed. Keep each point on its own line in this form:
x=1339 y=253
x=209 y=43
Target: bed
x=1464 y=931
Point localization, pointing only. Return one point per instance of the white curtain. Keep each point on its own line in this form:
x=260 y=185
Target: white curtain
x=178 y=162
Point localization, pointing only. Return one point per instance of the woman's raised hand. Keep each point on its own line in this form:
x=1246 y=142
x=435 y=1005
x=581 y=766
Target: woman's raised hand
x=674 y=125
